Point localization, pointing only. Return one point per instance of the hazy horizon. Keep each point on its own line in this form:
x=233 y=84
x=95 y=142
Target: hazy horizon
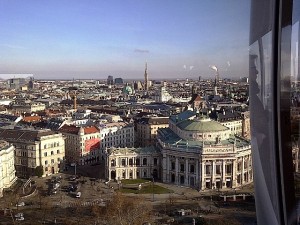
x=94 y=39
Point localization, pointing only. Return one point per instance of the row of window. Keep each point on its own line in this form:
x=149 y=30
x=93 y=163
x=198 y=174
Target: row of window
x=182 y=167
x=218 y=171
x=52 y=145
x=53 y=161
x=111 y=133
x=52 y=153
x=131 y=162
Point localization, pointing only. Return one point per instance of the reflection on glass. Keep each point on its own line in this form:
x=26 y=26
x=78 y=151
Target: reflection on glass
x=295 y=102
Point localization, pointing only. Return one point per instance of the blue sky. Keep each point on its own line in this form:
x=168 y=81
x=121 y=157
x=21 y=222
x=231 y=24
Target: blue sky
x=94 y=39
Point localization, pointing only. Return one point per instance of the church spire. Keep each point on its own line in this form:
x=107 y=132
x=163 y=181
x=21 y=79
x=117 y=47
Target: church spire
x=146 y=78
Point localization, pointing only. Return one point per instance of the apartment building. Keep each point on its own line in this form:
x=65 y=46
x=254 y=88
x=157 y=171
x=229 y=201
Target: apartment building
x=117 y=134
x=27 y=107
x=34 y=148
x=231 y=119
x=146 y=130
x=82 y=144
x=7 y=166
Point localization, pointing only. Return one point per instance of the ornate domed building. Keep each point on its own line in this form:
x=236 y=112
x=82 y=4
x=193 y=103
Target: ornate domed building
x=202 y=153
x=127 y=90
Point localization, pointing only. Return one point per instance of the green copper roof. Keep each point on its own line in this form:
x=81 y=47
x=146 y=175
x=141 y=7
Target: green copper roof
x=201 y=125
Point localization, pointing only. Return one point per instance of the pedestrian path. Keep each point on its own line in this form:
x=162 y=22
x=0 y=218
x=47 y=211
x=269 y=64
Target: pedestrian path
x=99 y=202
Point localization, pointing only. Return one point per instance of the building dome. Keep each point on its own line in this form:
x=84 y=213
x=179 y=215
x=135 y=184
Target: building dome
x=201 y=125
x=127 y=90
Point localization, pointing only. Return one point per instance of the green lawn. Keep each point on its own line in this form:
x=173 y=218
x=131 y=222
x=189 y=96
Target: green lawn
x=147 y=190
x=134 y=181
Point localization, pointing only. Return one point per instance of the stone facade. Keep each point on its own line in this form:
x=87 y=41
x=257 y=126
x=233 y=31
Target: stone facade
x=203 y=154
x=194 y=151
x=132 y=163
x=7 y=166
x=35 y=148
x=146 y=130
x=82 y=144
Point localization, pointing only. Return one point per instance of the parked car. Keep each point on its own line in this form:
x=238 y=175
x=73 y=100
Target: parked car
x=72 y=178
x=19 y=204
x=19 y=215
x=20 y=218
x=78 y=195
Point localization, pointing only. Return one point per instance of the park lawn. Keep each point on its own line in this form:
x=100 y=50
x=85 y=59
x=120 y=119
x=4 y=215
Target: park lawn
x=134 y=181
x=147 y=190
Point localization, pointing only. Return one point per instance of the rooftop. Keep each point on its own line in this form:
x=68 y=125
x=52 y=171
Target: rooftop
x=201 y=125
x=169 y=138
x=24 y=135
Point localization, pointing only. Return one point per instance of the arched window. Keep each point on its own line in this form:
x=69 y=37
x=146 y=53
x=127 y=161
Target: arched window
x=155 y=161
x=137 y=161
x=144 y=161
x=113 y=162
x=192 y=169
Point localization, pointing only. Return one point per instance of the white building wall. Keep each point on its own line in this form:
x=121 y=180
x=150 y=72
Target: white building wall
x=7 y=168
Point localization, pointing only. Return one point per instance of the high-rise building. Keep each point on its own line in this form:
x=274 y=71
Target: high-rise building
x=119 y=81
x=110 y=80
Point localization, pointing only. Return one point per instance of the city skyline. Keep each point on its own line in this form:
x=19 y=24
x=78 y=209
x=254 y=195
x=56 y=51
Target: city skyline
x=95 y=39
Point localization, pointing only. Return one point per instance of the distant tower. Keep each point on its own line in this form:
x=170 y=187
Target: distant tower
x=146 y=78
x=216 y=86
x=31 y=83
x=110 y=80
x=194 y=91
x=73 y=93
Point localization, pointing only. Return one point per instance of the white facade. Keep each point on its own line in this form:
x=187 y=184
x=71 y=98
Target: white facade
x=201 y=153
x=162 y=96
x=132 y=163
x=235 y=126
x=117 y=134
x=51 y=153
x=35 y=148
x=7 y=166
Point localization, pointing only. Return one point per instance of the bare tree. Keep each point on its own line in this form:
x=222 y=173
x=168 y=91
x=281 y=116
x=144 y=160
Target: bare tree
x=123 y=210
